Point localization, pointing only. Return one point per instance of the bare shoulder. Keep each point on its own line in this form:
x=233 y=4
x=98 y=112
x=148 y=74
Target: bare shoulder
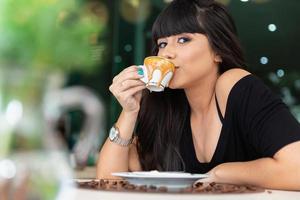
x=229 y=78
x=225 y=83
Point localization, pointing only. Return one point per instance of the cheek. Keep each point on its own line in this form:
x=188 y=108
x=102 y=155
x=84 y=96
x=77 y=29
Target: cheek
x=158 y=53
x=199 y=60
x=177 y=80
x=194 y=67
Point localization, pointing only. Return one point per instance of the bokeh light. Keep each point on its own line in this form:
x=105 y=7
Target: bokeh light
x=14 y=112
x=264 y=60
x=135 y=11
x=7 y=169
x=280 y=73
x=272 y=27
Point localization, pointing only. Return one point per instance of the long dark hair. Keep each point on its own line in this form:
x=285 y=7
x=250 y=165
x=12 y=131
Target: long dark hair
x=162 y=118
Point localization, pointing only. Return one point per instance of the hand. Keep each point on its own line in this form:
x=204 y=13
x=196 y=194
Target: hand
x=211 y=178
x=127 y=88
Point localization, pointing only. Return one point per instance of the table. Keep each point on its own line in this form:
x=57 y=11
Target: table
x=82 y=194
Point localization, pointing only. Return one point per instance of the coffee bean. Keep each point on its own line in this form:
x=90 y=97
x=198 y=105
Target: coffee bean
x=211 y=188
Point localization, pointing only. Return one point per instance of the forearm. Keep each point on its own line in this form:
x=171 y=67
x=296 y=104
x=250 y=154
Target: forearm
x=113 y=157
x=265 y=172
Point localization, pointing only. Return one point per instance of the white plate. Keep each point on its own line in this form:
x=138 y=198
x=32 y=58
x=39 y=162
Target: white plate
x=171 y=180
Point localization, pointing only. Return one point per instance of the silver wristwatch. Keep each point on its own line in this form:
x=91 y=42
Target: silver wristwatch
x=114 y=136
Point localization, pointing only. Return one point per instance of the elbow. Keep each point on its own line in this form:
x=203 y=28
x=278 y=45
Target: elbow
x=102 y=174
x=287 y=177
x=290 y=180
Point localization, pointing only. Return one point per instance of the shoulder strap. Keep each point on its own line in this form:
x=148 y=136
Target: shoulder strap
x=219 y=110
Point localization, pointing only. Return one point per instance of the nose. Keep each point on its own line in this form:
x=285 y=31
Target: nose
x=169 y=56
x=167 y=52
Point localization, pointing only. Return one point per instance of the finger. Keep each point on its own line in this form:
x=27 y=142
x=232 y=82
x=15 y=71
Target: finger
x=127 y=84
x=131 y=69
x=132 y=91
x=203 y=180
x=124 y=83
x=128 y=72
x=134 y=75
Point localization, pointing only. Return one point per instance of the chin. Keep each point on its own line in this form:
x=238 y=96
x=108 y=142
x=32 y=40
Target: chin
x=173 y=86
x=174 y=83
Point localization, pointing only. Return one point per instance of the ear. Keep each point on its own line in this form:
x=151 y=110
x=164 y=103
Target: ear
x=218 y=58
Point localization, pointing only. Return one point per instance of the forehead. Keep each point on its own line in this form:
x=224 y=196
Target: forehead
x=173 y=22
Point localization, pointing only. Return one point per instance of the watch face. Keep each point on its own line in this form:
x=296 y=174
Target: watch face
x=112 y=134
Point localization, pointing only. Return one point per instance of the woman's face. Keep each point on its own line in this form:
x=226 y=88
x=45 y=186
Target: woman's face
x=192 y=56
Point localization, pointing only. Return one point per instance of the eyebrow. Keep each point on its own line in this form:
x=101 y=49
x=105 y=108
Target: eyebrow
x=178 y=35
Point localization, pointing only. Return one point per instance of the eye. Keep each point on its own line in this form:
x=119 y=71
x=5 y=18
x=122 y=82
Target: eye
x=161 y=45
x=183 y=40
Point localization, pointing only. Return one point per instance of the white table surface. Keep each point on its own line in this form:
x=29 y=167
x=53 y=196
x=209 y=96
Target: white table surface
x=86 y=194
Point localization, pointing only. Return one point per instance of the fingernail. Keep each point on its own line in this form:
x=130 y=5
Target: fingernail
x=140 y=71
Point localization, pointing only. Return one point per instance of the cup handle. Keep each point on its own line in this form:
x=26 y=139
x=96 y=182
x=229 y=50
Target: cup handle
x=145 y=77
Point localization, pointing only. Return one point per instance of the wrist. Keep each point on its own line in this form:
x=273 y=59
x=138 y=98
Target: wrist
x=114 y=136
x=131 y=114
x=126 y=124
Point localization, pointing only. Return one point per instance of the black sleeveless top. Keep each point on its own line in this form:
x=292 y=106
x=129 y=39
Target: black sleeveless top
x=256 y=124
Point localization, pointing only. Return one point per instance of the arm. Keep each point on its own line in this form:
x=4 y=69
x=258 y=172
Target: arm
x=116 y=158
x=271 y=130
x=127 y=88
x=280 y=172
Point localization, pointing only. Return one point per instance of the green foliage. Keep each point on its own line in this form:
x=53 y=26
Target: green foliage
x=48 y=34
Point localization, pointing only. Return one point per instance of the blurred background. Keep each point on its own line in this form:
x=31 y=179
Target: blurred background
x=58 y=58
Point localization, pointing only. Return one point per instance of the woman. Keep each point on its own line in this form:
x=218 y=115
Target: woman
x=216 y=118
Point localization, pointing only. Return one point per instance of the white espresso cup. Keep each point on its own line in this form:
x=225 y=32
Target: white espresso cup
x=158 y=71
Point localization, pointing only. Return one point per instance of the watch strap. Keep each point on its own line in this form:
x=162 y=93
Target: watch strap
x=121 y=141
